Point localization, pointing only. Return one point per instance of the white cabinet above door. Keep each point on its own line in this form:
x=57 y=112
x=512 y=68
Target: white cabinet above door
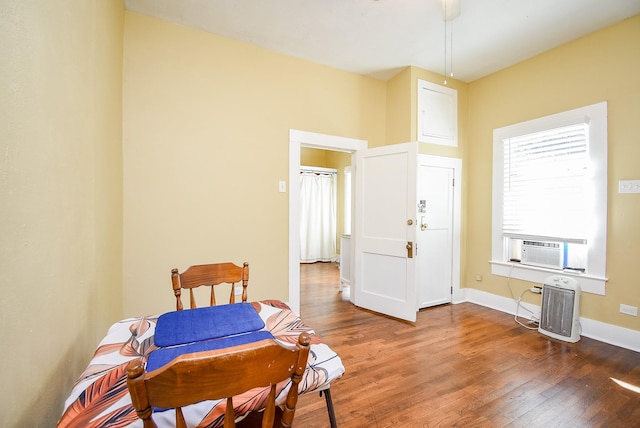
x=437 y=114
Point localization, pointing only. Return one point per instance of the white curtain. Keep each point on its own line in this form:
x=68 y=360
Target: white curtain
x=317 y=217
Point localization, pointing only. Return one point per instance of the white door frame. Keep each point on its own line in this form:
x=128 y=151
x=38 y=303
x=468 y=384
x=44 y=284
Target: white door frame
x=298 y=139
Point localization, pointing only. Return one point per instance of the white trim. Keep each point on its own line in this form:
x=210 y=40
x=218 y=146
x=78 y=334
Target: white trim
x=603 y=332
x=299 y=139
x=537 y=274
x=348 y=196
x=325 y=142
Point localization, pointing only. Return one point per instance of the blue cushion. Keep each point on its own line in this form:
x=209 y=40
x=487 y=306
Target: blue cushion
x=211 y=322
x=162 y=356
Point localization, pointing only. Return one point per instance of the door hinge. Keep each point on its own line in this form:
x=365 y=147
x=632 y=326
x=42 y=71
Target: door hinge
x=453 y=182
x=452 y=289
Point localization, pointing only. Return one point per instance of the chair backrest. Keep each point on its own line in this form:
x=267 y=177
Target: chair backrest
x=209 y=275
x=221 y=374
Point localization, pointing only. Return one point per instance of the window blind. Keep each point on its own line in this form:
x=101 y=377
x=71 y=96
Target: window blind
x=546 y=184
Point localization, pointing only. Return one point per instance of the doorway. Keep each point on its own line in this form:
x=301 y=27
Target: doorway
x=439 y=195
x=298 y=139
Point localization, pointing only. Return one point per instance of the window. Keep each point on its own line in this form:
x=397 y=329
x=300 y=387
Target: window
x=550 y=193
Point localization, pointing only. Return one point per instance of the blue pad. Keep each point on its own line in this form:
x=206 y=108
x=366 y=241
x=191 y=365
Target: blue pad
x=162 y=356
x=211 y=322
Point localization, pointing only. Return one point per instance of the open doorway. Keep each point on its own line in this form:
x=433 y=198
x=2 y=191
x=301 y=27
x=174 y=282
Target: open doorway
x=298 y=140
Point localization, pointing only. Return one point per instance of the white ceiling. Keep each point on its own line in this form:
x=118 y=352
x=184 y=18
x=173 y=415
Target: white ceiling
x=378 y=38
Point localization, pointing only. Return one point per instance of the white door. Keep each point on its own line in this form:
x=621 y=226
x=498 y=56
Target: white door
x=384 y=235
x=436 y=230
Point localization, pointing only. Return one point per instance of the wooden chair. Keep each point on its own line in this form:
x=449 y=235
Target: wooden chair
x=210 y=275
x=220 y=374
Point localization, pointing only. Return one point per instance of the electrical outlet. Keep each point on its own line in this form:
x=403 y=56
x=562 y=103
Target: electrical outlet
x=629 y=310
x=629 y=186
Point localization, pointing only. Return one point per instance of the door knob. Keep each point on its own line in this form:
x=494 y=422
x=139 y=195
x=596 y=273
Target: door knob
x=410 y=250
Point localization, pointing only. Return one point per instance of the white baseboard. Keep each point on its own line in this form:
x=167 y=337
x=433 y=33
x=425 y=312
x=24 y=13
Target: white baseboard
x=607 y=333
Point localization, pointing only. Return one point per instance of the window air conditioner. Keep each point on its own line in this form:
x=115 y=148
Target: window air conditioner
x=560 y=309
x=544 y=254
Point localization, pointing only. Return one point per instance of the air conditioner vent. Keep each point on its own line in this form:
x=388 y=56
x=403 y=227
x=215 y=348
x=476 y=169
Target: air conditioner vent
x=544 y=254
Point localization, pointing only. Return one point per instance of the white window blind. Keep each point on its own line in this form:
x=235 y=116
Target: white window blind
x=546 y=179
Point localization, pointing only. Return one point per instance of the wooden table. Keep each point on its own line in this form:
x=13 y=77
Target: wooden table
x=100 y=397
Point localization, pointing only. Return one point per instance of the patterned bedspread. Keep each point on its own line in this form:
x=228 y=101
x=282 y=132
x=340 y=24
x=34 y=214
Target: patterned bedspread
x=100 y=397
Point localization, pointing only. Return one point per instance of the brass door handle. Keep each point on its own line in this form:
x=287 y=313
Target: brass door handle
x=423 y=224
x=410 y=250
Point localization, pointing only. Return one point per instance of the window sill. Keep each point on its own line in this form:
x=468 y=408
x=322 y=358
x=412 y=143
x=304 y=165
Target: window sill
x=588 y=283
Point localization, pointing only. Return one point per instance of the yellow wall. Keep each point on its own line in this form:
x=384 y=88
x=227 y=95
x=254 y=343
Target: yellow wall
x=204 y=122
x=61 y=192
x=206 y=140
x=603 y=66
x=400 y=108
x=314 y=157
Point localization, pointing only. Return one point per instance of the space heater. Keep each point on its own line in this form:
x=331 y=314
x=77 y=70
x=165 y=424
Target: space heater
x=560 y=309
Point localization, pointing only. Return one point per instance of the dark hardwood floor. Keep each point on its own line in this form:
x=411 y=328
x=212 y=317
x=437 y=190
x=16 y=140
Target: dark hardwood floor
x=460 y=365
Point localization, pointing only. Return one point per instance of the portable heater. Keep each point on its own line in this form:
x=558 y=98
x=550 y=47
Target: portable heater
x=560 y=308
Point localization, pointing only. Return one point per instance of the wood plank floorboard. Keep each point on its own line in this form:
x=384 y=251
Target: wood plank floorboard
x=459 y=365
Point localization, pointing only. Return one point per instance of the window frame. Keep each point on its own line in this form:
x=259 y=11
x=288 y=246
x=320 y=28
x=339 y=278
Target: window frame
x=594 y=279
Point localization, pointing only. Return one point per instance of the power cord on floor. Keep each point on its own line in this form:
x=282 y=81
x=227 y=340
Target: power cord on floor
x=533 y=319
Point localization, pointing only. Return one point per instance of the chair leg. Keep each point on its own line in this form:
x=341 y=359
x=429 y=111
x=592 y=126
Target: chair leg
x=332 y=416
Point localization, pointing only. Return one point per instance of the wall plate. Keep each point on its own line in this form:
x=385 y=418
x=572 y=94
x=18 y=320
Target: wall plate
x=629 y=186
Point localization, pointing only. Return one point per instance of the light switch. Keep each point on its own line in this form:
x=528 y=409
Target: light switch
x=629 y=186
x=282 y=186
